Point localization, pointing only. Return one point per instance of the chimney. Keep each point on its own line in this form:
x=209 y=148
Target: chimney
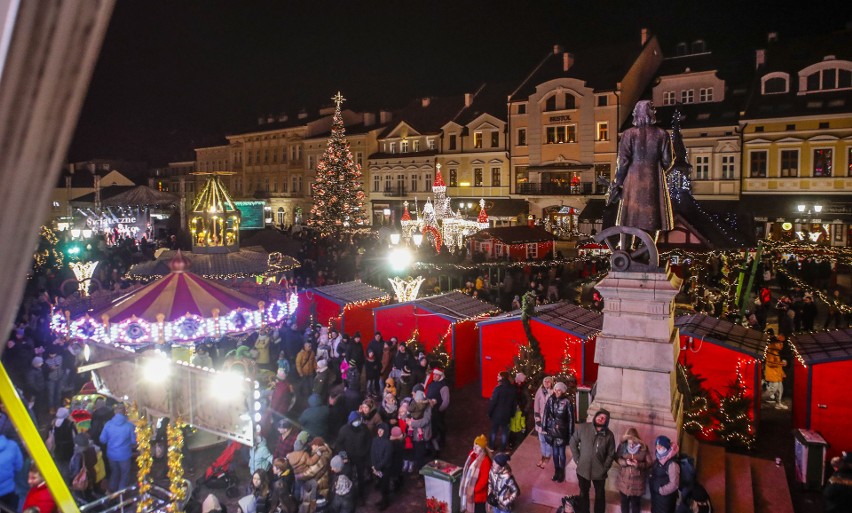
x=424 y=102
x=557 y=49
x=385 y=116
x=468 y=99
x=644 y=36
x=567 y=61
x=759 y=57
x=270 y=119
x=282 y=117
x=772 y=37
x=369 y=119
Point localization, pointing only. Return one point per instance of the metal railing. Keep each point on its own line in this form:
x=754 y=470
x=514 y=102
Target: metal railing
x=557 y=189
x=120 y=501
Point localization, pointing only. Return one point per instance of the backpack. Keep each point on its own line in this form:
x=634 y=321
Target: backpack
x=688 y=472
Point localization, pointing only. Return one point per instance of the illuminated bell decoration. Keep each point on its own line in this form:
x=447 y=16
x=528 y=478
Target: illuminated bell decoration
x=406 y=289
x=83 y=273
x=215 y=221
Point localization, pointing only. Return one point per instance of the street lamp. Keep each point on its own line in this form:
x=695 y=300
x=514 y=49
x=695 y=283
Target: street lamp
x=394 y=238
x=417 y=238
x=399 y=259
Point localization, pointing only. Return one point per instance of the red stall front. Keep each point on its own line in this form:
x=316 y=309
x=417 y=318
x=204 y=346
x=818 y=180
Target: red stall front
x=822 y=366
x=347 y=306
x=717 y=349
x=449 y=317
x=559 y=328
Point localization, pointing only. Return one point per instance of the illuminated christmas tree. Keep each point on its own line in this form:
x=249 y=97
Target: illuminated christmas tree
x=735 y=426
x=337 y=188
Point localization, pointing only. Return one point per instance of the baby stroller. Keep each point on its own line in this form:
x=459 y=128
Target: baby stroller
x=219 y=474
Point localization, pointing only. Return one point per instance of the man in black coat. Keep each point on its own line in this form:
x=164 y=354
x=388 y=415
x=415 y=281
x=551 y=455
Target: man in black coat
x=354 y=438
x=501 y=407
x=381 y=457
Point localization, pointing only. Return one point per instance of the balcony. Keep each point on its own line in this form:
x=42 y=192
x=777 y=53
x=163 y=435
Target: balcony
x=558 y=189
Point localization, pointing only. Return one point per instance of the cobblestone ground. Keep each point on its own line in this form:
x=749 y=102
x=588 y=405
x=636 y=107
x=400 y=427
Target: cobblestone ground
x=467 y=419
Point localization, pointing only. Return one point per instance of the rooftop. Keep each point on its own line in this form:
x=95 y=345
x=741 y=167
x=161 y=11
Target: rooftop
x=723 y=333
x=824 y=346
x=351 y=292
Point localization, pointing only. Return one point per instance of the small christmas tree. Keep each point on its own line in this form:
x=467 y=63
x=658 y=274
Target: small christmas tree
x=698 y=406
x=47 y=255
x=529 y=359
x=566 y=372
x=337 y=188
x=735 y=426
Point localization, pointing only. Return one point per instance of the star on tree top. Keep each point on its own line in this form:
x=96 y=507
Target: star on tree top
x=338 y=99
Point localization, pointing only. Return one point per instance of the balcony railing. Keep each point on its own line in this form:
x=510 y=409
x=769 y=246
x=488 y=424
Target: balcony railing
x=557 y=189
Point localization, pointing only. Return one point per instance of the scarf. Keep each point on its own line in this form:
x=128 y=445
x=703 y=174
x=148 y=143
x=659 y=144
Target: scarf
x=662 y=457
x=635 y=448
x=470 y=475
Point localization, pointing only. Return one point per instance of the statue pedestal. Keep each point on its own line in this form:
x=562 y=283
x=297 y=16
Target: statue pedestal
x=636 y=352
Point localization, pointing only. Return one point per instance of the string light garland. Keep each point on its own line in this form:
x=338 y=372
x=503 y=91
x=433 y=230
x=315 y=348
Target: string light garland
x=698 y=405
x=174 y=433
x=144 y=461
x=736 y=428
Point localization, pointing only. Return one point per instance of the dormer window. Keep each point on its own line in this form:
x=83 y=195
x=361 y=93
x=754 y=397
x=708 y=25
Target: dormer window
x=680 y=49
x=699 y=46
x=826 y=76
x=570 y=101
x=775 y=83
x=550 y=104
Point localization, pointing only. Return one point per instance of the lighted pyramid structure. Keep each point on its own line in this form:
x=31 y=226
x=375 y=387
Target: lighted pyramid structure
x=215 y=221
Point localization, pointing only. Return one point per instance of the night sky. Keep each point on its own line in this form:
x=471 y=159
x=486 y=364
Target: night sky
x=174 y=75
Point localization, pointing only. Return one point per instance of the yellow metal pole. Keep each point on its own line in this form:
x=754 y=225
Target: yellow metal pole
x=32 y=439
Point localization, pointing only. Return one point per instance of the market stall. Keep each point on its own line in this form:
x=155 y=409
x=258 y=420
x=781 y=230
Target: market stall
x=449 y=318
x=561 y=329
x=821 y=367
x=346 y=306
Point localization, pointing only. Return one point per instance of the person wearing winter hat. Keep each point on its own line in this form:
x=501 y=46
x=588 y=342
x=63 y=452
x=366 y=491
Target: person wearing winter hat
x=314 y=418
x=322 y=380
x=503 y=489
x=286 y=438
x=557 y=424
x=397 y=439
x=473 y=489
x=420 y=427
x=665 y=476
x=354 y=437
x=343 y=489
x=438 y=393
x=775 y=374
x=64 y=431
x=633 y=460
x=593 y=450
x=36 y=386
x=837 y=494
x=540 y=399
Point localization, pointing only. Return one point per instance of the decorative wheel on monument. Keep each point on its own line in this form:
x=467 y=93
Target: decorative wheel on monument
x=641 y=253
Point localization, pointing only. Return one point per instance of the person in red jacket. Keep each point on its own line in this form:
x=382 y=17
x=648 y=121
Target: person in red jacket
x=39 y=496
x=474 y=481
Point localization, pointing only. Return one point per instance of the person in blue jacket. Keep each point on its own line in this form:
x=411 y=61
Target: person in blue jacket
x=11 y=461
x=119 y=436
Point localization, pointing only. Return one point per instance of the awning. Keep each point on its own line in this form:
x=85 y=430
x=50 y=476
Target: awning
x=784 y=207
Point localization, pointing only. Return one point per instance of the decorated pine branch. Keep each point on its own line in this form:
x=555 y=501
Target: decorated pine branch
x=735 y=426
x=698 y=405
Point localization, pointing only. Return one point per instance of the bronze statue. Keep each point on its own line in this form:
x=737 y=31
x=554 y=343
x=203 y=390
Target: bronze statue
x=644 y=158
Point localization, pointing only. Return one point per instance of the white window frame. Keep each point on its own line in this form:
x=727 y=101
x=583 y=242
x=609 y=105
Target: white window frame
x=775 y=74
x=518 y=139
x=377 y=183
x=766 y=153
x=669 y=98
x=687 y=96
x=415 y=145
x=602 y=130
x=392 y=147
x=430 y=143
x=729 y=166
x=705 y=94
x=477 y=139
x=532 y=250
x=701 y=162
x=414 y=179
x=403 y=146
x=820 y=67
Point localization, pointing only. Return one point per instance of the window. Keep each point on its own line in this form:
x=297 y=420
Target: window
x=495 y=139
x=822 y=162
x=522 y=108
x=427 y=179
x=415 y=145
x=698 y=46
x=830 y=78
x=388 y=182
x=758 y=129
x=310 y=161
x=849 y=160
x=687 y=96
x=265 y=156
x=668 y=97
x=477 y=139
x=823 y=125
x=414 y=183
x=775 y=85
x=392 y=147
x=702 y=167
x=520 y=177
x=281 y=215
x=298 y=184
x=791 y=127
x=727 y=167
x=452 y=141
x=430 y=143
x=275 y=155
x=603 y=131
x=603 y=100
x=400 y=184
x=248 y=160
x=275 y=185
x=376 y=183
x=550 y=104
x=403 y=146
x=284 y=184
x=359 y=158
x=477 y=177
x=570 y=101
x=705 y=94
x=561 y=134
x=757 y=164
x=522 y=137
x=789 y=163
x=532 y=250
x=495 y=177
x=454 y=178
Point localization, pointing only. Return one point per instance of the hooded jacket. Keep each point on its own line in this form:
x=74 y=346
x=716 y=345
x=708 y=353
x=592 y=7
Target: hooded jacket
x=11 y=461
x=119 y=436
x=593 y=451
x=503 y=487
x=381 y=452
x=319 y=469
x=355 y=440
x=315 y=417
x=259 y=457
x=557 y=421
x=502 y=404
x=632 y=477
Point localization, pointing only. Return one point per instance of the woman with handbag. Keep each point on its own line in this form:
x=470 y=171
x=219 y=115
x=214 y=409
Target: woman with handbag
x=558 y=426
x=83 y=467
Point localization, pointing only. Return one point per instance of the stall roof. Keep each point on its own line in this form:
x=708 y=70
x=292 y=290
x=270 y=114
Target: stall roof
x=456 y=305
x=723 y=333
x=351 y=292
x=569 y=317
x=824 y=346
